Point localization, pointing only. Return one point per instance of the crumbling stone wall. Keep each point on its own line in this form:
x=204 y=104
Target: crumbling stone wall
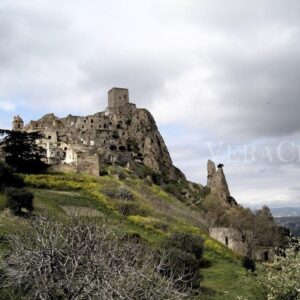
x=88 y=164
x=230 y=238
x=235 y=241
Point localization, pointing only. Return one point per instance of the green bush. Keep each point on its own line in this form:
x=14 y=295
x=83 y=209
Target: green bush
x=7 y=178
x=122 y=175
x=187 y=242
x=131 y=208
x=184 y=258
x=248 y=263
x=18 y=199
x=120 y=193
x=124 y=193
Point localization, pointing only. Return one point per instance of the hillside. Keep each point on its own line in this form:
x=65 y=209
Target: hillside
x=291 y=223
x=138 y=208
x=286 y=211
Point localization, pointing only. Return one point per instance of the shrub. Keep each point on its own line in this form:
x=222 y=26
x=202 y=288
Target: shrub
x=103 y=172
x=184 y=256
x=124 y=193
x=7 y=178
x=122 y=175
x=18 y=199
x=248 y=263
x=120 y=193
x=161 y=226
x=103 y=264
x=282 y=281
x=109 y=192
x=131 y=208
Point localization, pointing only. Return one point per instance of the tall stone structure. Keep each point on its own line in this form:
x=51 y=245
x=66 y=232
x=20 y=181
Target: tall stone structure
x=120 y=134
x=18 y=123
x=217 y=182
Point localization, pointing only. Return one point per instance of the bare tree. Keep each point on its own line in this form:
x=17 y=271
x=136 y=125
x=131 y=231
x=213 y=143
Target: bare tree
x=257 y=228
x=81 y=260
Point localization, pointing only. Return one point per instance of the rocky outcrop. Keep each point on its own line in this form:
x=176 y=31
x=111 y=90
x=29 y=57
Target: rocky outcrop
x=217 y=182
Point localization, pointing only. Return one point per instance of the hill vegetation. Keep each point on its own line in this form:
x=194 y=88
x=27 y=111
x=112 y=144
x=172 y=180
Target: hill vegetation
x=139 y=209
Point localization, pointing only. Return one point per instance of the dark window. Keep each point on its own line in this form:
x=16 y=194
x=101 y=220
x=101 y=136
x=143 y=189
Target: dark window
x=84 y=121
x=266 y=255
x=19 y=125
x=120 y=97
x=91 y=126
x=226 y=240
x=92 y=121
x=122 y=148
x=82 y=126
x=243 y=239
x=113 y=148
x=49 y=137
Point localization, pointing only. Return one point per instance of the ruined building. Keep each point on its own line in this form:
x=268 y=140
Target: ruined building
x=217 y=182
x=120 y=134
x=235 y=241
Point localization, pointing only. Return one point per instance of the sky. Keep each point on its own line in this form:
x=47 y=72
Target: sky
x=221 y=78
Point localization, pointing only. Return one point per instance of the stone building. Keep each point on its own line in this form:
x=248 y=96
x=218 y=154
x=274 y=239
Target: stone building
x=18 y=123
x=235 y=241
x=120 y=134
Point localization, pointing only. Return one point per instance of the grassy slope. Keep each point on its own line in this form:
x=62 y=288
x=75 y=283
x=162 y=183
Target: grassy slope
x=155 y=214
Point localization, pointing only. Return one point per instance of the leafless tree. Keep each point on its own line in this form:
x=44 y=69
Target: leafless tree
x=257 y=228
x=82 y=260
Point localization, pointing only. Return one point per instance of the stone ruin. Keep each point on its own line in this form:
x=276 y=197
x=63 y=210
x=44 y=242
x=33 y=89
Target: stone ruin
x=235 y=241
x=119 y=135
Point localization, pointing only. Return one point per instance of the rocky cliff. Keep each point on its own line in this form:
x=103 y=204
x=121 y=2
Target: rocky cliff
x=217 y=182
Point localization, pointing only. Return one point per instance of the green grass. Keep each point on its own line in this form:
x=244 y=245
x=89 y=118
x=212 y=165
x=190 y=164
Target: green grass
x=162 y=215
x=225 y=279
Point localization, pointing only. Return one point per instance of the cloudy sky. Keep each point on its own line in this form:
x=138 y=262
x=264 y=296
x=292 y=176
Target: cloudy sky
x=220 y=77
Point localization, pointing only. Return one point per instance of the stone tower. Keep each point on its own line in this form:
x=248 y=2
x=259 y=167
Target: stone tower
x=118 y=98
x=18 y=123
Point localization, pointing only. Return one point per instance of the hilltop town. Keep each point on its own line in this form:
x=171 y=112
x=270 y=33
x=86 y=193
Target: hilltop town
x=121 y=134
